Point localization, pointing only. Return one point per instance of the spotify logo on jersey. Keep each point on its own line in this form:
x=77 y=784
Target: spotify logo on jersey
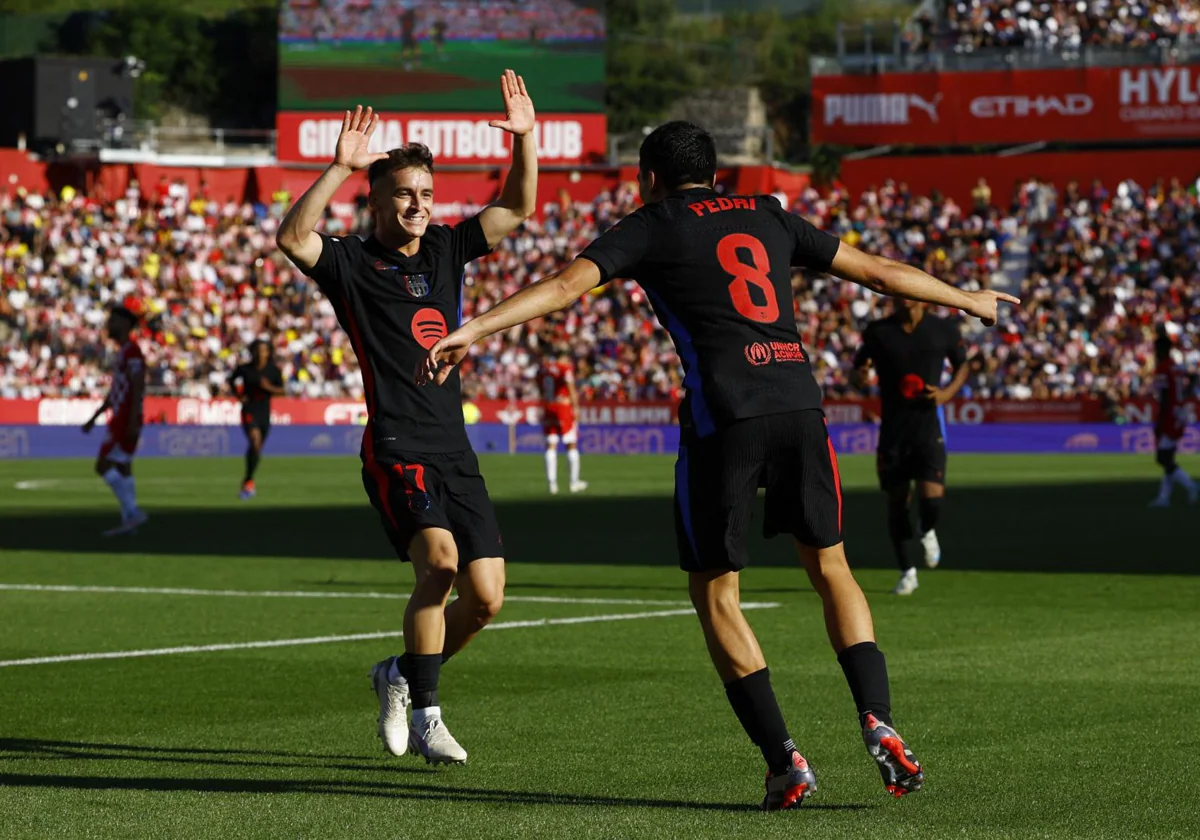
x=428 y=327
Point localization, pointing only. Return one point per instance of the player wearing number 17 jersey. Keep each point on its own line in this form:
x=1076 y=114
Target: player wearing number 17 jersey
x=394 y=293
x=717 y=270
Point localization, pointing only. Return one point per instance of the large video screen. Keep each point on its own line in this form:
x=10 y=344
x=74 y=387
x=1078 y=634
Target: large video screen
x=439 y=55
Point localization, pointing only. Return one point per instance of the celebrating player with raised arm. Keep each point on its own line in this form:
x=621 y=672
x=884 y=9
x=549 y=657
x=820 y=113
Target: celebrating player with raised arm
x=114 y=463
x=394 y=294
x=909 y=350
x=717 y=270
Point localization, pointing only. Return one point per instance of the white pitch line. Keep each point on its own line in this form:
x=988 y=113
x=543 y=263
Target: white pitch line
x=322 y=640
x=387 y=596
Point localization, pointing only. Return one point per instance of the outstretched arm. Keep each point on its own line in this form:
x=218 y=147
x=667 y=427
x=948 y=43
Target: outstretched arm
x=888 y=277
x=297 y=237
x=558 y=291
x=518 y=199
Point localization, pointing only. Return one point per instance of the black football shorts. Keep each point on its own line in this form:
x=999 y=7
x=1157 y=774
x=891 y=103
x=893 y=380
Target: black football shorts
x=417 y=491
x=898 y=463
x=256 y=418
x=717 y=480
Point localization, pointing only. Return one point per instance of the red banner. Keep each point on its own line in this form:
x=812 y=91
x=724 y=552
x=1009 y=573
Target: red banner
x=1020 y=106
x=310 y=137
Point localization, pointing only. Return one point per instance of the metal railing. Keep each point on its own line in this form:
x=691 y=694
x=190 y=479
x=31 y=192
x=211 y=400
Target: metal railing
x=901 y=60
x=146 y=137
x=735 y=146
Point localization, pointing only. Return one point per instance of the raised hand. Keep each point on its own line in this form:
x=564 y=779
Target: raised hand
x=357 y=128
x=518 y=107
x=986 y=303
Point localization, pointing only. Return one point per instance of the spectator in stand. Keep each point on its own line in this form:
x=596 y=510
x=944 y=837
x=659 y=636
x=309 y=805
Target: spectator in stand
x=438 y=20
x=1105 y=264
x=1068 y=27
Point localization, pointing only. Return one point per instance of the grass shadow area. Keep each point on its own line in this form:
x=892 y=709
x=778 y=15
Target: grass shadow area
x=1000 y=528
x=450 y=790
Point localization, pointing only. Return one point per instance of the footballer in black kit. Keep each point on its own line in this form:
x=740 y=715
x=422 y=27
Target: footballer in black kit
x=910 y=350
x=419 y=470
x=396 y=293
x=254 y=383
x=717 y=270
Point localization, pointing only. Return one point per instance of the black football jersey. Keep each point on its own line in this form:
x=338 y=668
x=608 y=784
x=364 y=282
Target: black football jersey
x=905 y=363
x=717 y=270
x=394 y=308
x=248 y=377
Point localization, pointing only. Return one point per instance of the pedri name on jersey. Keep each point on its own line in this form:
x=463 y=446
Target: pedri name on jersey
x=717 y=205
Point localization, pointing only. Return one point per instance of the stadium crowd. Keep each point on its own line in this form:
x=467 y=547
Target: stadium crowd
x=1100 y=269
x=463 y=20
x=1069 y=26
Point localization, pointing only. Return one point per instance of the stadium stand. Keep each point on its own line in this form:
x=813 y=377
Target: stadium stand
x=971 y=25
x=462 y=20
x=1103 y=267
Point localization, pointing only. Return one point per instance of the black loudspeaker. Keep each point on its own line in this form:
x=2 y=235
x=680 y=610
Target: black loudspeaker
x=53 y=101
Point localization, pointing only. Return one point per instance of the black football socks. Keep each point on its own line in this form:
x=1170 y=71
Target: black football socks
x=252 y=457
x=422 y=671
x=757 y=710
x=900 y=530
x=866 y=672
x=928 y=511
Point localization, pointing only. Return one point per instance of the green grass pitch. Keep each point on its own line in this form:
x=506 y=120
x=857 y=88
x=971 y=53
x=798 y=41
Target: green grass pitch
x=1046 y=674
x=562 y=78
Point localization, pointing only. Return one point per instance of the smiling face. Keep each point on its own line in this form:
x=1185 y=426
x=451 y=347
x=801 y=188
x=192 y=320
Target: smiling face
x=402 y=202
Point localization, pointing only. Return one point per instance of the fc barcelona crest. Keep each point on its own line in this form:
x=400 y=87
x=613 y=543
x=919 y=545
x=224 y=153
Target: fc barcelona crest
x=417 y=284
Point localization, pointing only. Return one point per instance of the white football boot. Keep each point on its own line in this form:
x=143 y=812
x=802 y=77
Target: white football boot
x=393 y=708
x=434 y=741
x=933 y=551
x=907 y=584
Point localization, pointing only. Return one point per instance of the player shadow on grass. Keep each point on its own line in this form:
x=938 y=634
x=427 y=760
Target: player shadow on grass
x=12 y=749
x=42 y=750
x=1014 y=528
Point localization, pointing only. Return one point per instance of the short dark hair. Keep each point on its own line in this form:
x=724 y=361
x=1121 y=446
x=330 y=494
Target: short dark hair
x=1162 y=347
x=126 y=313
x=408 y=156
x=679 y=153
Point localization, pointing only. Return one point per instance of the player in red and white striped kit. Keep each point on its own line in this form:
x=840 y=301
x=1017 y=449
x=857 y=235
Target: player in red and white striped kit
x=560 y=410
x=114 y=463
x=1172 y=386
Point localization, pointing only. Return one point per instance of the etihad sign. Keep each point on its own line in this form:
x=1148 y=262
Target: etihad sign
x=1070 y=105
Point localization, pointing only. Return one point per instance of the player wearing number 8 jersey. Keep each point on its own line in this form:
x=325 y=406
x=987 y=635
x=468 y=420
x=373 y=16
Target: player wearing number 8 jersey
x=717 y=270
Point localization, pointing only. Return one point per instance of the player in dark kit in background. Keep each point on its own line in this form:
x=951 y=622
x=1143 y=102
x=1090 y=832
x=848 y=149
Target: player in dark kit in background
x=410 y=50
x=909 y=350
x=255 y=383
x=395 y=293
x=1172 y=386
x=717 y=270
